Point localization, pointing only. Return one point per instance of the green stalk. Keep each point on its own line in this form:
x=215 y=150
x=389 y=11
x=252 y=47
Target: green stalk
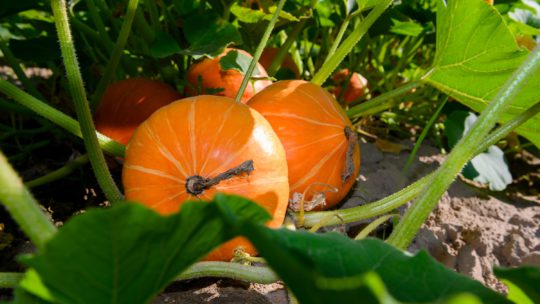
x=424 y=134
x=78 y=94
x=57 y=117
x=116 y=53
x=282 y=52
x=255 y=274
x=333 y=62
x=381 y=102
x=58 y=173
x=413 y=219
x=400 y=198
x=259 y=50
x=10 y=279
x=22 y=206
x=14 y=64
x=96 y=19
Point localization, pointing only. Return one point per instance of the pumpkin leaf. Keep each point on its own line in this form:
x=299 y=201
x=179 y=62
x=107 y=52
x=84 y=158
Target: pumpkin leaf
x=476 y=53
x=488 y=167
x=523 y=283
x=208 y=35
x=238 y=61
x=331 y=268
x=163 y=45
x=406 y=28
x=128 y=253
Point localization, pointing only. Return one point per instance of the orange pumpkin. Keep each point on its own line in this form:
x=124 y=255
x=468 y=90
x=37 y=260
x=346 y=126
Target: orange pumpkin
x=176 y=154
x=322 y=152
x=216 y=81
x=355 y=89
x=127 y=103
x=268 y=55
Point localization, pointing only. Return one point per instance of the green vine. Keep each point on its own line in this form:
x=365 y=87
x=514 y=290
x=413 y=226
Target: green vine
x=82 y=108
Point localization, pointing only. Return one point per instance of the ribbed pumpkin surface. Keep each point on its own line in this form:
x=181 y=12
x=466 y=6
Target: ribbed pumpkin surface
x=205 y=136
x=127 y=103
x=311 y=126
x=213 y=78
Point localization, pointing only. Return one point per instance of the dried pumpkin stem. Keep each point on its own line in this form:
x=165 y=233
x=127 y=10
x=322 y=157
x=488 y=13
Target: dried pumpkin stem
x=196 y=184
x=352 y=140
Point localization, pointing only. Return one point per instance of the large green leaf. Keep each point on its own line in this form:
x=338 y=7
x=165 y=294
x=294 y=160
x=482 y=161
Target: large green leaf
x=329 y=268
x=525 y=281
x=476 y=54
x=127 y=254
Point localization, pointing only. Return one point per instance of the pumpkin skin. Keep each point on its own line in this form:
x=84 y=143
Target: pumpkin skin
x=356 y=87
x=311 y=126
x=270 y=53
x=206 y=135
x=127 y=103
x=214 y=77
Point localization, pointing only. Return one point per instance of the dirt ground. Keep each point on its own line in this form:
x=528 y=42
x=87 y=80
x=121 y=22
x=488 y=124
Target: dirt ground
x=471 y=230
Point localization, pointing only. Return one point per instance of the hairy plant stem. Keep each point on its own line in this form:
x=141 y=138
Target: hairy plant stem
x=400 y=198
x=57 y=117
x=22 y=206
x=82 y=108
x=346 y=47
x=415 y=216
x=284 y=49
x=255 y=274
x=381 y=102
x=118 y=49
x=58 y=173
x=10 y=279
x=258 y=52
x=14 y=64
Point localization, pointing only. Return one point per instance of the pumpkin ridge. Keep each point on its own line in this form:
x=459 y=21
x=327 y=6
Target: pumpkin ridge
x=154 y=172
x=322 y=139
x=164 y=151
x=294 y=116
x=257 y=182
x=306 y=93
x=316 y=168
x=191 y=129
x=177 y=146
x=166 y=199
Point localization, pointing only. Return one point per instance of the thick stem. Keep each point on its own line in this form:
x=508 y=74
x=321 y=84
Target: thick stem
x=415 y=216
x=333 y=62
x=259 y=51
x=116 y=53
x=282 y=52
x=78 y=94
x=22 y=206
x=400 y=198
x=57 y=117
x=58 y=173
x=196 y=184
x=381 y=102
x=255 y=274
x=352 y=142
x=10 y=279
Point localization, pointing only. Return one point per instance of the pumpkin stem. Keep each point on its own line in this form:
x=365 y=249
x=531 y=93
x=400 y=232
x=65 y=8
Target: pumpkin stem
x=349 y=159
x=196 y=184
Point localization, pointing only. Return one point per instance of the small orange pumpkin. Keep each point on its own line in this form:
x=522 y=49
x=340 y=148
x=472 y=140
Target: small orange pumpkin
x=355 y=89
x=223 y=82
x=127 y=103
x=179 y=151
x=322 y=152
x=268 y=55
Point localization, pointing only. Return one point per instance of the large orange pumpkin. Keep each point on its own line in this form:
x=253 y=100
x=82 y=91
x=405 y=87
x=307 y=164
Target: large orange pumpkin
x=127 y=103
x=217 y=81
x=322 y=152
x=355 y=89
x=176 y=152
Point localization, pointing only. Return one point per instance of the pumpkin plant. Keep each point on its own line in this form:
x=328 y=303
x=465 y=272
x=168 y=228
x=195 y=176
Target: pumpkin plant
x=319 y=139
x=355 y=85
x=288 y=66
x=127 y=103
x=218 y=77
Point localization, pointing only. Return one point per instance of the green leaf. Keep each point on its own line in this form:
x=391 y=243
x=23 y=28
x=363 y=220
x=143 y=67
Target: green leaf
x=163 y=45
x=407 y=28
x=307 y=262
x=476 y=54
x=247 y=15
x=525 y=278
x=488 y=167
x=208 y=34
x=128 y=253
x=32 y=283
x=22 y=296
x=238 y=61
